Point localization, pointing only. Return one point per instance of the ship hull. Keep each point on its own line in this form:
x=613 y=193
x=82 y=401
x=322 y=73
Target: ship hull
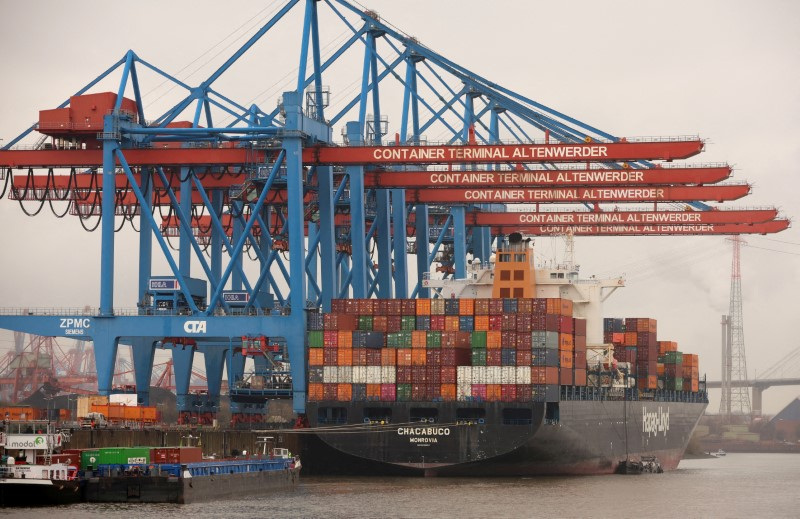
x=31 y=492
x=568 y=437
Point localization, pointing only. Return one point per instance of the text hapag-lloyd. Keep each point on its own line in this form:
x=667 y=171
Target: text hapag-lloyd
x=490 y=152
x=655 y=422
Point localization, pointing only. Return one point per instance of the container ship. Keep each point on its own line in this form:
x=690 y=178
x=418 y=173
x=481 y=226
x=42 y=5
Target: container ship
x=512 y=371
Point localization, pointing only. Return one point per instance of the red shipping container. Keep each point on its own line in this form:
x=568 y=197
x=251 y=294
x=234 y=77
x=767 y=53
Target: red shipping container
x=408 y=307
x=580 y=359
x=437 y=322
x=482 y=307
x=433 y=374
x=449 y=375
x=373 y=357
x=404 y=374
x=508 y=339
x=538 y=375
x=479 y=391
x=330 y=338
x=494 y=358
x=495 y=306
x=524 y=357
x=580 y=342
x=565 y=377
x=524 y=393
x=552 y=322
x=388 y=392
x=524 y=342
x=330 y=356
x=524 y=322
x=448 y=340
x=394 y=323
x=394 y=307
x=579 y=326
x=360 y=357
x=381 y=307
x=433 y=357
x=380 y=323
x=551 y=375
x=509 y=322
x=463 y=339
x=366 y=306
x=580 y=377
x=495 y=322
x=565 y=325
x=508 y=392
x=419 y=392
x=456 y=357
x=330 y=391
x=524 y=305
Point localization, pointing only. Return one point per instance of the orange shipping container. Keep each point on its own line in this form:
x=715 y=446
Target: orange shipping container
x=423 y=307
x=388 y=357
x=566 y=359
x=449 y=392
x=344 y=357
x=345 y=339
x=493 y=339
x=404 y=356
x=451 y=323
x=344 y=392
x=374 y=391
x=565 y=342
x=481 y=323
x=419 y=339
x=315 y=356
x=660 y=369
x=493 y=392
x=551 y=375
x=631 y=338
x=466 y=307
x=418 y=357
x=314 y=392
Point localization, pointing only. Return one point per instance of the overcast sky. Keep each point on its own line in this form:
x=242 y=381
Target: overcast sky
x=725 y=70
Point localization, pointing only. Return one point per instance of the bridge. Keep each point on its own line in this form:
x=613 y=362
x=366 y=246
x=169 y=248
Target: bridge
x=780 y=374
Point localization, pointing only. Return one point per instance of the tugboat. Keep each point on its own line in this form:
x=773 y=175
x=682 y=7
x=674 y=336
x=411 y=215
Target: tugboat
x=28 y=477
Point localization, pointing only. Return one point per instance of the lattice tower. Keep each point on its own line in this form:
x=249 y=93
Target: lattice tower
x=739 y=403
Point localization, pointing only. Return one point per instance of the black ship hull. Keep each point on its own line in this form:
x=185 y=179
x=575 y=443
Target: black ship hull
x=498 y=439
x=26 y=493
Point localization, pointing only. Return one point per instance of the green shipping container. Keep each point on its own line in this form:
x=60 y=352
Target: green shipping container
x=479 y=339
x=392 y=340
x=124 y=455
x=403 y=392
x=408 y=323
x=478 y=357
x=315 y=339
x=90 y=458
x=673 y=357
x=434 y=339
x=405 y=339
x=365 y=323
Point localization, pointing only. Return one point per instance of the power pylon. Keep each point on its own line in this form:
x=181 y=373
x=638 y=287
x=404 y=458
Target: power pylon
x=735 y=400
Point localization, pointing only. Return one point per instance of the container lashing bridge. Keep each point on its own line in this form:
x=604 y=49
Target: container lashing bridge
x=317 y=220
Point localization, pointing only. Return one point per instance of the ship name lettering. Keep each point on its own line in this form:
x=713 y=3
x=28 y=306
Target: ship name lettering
x=655 y=422
x=423 y=431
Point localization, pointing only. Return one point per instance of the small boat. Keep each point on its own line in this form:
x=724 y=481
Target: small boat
x=720 y=453
x=28 y=477
x=646 y=465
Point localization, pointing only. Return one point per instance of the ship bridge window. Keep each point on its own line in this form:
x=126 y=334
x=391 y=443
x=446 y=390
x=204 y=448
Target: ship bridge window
x=328 y=415
x=519 y=257
x=519 y=275
x=377 y=415
x=517 y=416
x=504 y=257
x=470 y=414
x=423 y=414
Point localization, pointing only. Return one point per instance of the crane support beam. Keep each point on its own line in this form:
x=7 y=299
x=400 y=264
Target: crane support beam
x=353 y=155
x=646 y=230
x=620 y=217
x=573 y=194
x=84 y=182
x=541 y=177
x=448 y=154
x=274 y=197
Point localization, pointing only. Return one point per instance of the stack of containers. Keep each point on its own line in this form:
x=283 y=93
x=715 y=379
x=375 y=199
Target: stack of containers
x=646 y=350
x=673 y=370
x=445 y=349
x=691 y=373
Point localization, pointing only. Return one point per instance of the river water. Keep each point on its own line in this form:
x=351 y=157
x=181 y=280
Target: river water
x=734 y=486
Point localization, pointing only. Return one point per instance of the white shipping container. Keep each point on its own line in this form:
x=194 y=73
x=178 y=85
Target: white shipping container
x=123 y=398
x=479 y=374
x=508 y=375
x=463 y=391
x=359 y=374
x=464 y=374
x=493 y=375
x=523 y=375
x=388 y=374
x=330 y=374
x=345 y=374
x=373 y=374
